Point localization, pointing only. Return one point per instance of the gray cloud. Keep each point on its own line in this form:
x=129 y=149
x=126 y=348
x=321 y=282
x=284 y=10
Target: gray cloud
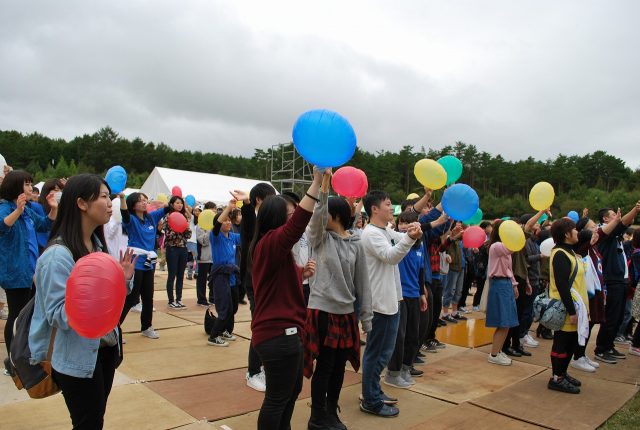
x=515 y=78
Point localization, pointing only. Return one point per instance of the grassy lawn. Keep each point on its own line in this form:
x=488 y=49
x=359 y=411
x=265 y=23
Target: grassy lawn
x=626 y=418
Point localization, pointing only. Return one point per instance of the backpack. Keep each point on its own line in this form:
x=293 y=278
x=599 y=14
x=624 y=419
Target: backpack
x=551 y=313
x=35 y=378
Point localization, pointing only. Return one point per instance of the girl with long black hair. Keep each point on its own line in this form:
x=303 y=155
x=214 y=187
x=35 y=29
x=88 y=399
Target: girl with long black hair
x=280 y=311
x=83 y=368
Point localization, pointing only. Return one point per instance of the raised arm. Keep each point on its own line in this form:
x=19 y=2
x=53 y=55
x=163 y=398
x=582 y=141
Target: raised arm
x=316 y=229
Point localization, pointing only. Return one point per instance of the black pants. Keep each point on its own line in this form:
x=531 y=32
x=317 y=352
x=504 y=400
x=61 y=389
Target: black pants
x=226 y=307
x=636 y=337
x=328 y=376
x=564 y=344
x=526 y=318
x=17 y=298
x=86 y=398
x=201 y=283
x=513 y=338
x=437 y=305
x=283 y=365
x=408 y=334
x=477 y=296
x=142 y=289
x=253 y=359
x=176 y=263
x=426 y=319
x=614 y=313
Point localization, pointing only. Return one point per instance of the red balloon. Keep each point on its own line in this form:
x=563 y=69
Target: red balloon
x=178 y=222
x=176 y=191
x=473 y=237
x=95 y=295
x=349 y=182
x=153 y=206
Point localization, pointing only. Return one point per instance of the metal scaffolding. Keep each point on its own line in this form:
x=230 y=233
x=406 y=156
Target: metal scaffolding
x=289 y=171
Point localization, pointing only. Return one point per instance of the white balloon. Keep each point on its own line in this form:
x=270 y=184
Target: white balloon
x=546 y=246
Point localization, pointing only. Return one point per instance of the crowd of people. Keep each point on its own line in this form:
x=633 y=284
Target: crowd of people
x=321 y=274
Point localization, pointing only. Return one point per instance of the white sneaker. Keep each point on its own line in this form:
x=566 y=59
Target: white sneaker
x=151 y=333
x=500 y=359
x=137 y=308
x=257 y=382
x=476 y=308
x=529 y=341
x=592 y=362
x=582 y=364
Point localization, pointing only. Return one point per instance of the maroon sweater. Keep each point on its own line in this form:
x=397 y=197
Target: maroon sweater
x=277 y=281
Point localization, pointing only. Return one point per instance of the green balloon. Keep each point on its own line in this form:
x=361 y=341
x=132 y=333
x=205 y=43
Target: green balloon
x=452 y=166
x=475 y=219
x=505 y=218
x=543 y=218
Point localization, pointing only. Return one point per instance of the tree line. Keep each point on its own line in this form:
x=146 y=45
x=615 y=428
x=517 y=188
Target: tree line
x=593 y=180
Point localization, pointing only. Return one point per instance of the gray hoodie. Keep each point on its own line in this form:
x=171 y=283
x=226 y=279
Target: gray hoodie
x=341 y=276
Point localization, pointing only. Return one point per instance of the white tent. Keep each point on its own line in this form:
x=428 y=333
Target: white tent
x=203 y=186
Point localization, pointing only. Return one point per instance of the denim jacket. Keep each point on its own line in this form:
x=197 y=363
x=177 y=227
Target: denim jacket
x=15 y=267
x=73 y=354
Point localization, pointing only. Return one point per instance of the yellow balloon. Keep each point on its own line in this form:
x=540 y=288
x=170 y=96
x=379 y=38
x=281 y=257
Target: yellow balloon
x=205 y=219
x=511 y=235
x=430 y=174
x=239 y=204
x=162 y=197
x=412 y=196
x=541 y=196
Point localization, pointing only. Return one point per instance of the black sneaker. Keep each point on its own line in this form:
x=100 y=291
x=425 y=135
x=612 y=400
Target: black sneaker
x=522 y=352
x=450 y=319
x=420 y=354
x=441 y=322
x=415 y=372
x=573 y=381
x=439 y=344
x=430 y=347
x=605 y=357
x=617 y=354
x=460 y=317
x=386 y=411
x=419 y=361
x=511 y=352
x=563 y=385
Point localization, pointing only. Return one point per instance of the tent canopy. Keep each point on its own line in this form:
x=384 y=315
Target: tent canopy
x=203 y=186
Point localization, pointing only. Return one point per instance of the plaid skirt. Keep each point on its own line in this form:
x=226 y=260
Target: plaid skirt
x=342 y=333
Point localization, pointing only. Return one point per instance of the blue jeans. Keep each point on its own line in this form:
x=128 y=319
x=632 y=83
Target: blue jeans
x=453 y=288
x=381 y=342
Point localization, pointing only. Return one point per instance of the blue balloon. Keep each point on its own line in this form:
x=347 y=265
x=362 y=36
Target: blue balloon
x=116 y=177
x=190 y=200
x=324 y=138
x=460 y=202
x=573 y=215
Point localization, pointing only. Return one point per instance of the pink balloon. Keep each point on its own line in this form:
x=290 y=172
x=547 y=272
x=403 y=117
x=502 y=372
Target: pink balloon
x=95 y=295
x=178 y=222
x=473 y=237
x=349 y=182
x=176 y=191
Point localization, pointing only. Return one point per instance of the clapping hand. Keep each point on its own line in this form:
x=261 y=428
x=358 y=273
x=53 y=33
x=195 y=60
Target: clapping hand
x=21 y=202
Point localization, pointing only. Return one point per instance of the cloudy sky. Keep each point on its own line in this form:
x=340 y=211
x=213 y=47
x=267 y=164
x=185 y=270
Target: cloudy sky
x=518 y=78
